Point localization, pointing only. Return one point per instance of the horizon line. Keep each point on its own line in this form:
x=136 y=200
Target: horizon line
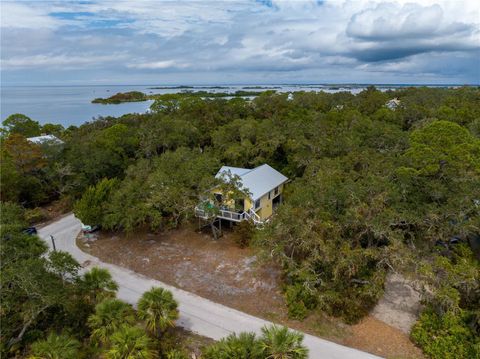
x=252 y=84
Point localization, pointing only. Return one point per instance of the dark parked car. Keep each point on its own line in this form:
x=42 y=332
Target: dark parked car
x=30 y=230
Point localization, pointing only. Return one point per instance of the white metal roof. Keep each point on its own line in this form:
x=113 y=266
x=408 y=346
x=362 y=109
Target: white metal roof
x=233 y=170
x=258 y=181
x=45 y=138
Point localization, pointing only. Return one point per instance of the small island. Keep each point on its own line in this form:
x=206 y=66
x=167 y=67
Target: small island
x=132 y=96
x=137 y=96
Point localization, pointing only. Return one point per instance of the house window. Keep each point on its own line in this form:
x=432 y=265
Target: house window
x=276 y=191
x=269 y=193
x=257 y=203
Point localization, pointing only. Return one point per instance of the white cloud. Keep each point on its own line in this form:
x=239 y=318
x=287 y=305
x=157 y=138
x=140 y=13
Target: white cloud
x=21 y=15
x=391 y=20
x=213 y=38
x=58 y=61
x=158 y=65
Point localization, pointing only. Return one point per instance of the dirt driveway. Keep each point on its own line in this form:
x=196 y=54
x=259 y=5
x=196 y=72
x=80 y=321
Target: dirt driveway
x=218 y=270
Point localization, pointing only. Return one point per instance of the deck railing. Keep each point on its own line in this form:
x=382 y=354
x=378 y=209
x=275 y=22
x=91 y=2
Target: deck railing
x=230 y=215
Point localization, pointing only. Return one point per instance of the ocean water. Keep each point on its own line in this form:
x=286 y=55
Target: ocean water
x=66 y=105
x=71 y=105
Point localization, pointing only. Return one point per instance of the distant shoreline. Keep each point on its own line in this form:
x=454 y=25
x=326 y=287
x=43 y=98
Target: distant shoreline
x=220 y=86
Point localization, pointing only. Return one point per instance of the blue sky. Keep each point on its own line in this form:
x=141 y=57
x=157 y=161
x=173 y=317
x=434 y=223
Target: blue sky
x=255 y=42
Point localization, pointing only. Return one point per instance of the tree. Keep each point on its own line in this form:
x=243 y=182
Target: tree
x=97 y=284
x=130 y=343
x=275 y=343
x=280 y=343
x=30 y=289
x=56 y=346
x=12 y=219
x=439 y=179
x=22 y=125
x=27 y=157
x=101 y=153
x=231 y=188
x=109 y=316
x=162 y=192
x=22 y=165
x=63 y=265
x=90 y=209
x=159 y=310
x=161 y=133
x=242 y=346
x=53 y=129
x=11 y=178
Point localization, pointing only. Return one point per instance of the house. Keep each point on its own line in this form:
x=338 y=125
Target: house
x=393 y=103
x=45 y=140
x=265 y=187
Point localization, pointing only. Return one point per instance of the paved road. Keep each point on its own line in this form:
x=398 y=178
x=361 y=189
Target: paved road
x=197 y=314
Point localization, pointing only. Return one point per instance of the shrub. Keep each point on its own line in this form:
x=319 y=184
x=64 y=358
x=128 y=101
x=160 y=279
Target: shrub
x=35 y=215
x=299 y=301
x=275 y=342
x=244 y=232
x=176 y=354
x=56 y=347
x=446 y=337
x=352 y=302
x=245 y=345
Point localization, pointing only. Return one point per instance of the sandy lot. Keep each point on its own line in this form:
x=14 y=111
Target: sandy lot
x=223 y=272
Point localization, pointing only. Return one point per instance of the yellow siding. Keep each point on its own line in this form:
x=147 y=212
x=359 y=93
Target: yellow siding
x=248 y=204
x=266 y=205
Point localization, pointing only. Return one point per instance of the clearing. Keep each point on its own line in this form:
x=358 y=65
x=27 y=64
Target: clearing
x=226 y=274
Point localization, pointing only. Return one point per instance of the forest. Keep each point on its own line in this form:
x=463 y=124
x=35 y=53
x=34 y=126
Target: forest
x=374 y=189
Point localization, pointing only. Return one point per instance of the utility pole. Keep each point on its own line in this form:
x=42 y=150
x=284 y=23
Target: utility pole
x=53 y=243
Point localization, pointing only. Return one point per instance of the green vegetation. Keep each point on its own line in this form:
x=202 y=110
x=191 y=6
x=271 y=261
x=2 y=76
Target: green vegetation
x=132 y=96
x=137 y=96
x=56 y=346
x=275 y=342
x=21 y=124
x=158 y=309
x=372 y=190
x=50 y=311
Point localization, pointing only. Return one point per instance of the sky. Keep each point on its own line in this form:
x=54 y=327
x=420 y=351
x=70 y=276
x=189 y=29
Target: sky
x=239 y=42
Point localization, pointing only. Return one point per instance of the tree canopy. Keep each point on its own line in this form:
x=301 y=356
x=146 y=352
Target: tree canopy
x=373 y=189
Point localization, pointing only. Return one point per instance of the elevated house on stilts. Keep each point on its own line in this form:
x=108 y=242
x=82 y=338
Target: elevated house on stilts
x=260 y=192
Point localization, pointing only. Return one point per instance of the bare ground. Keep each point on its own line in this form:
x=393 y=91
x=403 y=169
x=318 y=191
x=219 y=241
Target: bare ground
x=400 y=305
x=223 y=272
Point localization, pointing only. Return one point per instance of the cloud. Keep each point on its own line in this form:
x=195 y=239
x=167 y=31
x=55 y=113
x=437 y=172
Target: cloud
x=58 y=61
x=24 y=15
x=237 y=41
x=393 y=31
x=391 y=21
x=165 y=64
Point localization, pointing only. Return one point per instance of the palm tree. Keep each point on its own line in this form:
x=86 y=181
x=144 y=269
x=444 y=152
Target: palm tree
x=243 y=346
x=176 y=354
x=99 y=284
x=159 y=310
x=109 y=316
x=130 y=343
x=56 y=347
x=280 y=343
